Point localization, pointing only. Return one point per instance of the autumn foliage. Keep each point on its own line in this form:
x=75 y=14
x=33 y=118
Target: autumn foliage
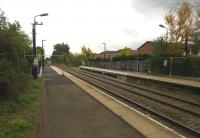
x=182 y=23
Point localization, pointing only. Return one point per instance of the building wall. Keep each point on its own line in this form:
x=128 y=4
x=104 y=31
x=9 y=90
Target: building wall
x=109 y=55
x=147 y=48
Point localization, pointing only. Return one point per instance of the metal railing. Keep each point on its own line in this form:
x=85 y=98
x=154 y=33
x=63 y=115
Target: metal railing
x=177 y=66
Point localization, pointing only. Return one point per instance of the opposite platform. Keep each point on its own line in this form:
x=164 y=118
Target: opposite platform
x=70 y=112
x=161 y=78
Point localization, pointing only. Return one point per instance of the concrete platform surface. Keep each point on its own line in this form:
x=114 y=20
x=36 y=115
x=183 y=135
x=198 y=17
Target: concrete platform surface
x=167 y=79
x=71 y=113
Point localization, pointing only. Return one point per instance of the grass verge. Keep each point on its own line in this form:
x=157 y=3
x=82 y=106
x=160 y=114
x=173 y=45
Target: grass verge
x=21 y=115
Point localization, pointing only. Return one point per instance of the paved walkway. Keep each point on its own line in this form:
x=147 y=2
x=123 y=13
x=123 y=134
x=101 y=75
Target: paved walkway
x=162 y=78
x=71 y=113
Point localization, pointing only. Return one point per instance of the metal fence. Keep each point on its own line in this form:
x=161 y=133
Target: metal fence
x=137 y=66
x=178 y=66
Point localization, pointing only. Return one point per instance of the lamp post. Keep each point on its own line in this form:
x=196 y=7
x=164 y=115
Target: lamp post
x=166 y=33
x=165 y=61
x=35 y=64
x=34 y=31
x=43 y=54
x=104 y=51
x=104 y=54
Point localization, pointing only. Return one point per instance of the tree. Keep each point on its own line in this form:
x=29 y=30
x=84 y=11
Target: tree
x=182 y=26
x=60 y=53
x=13 y=44
x=60 y=49
x=87 y=54
x=3 y=22
x=159 y=47
x=39 y=52
x=127 y=52
x=196 y=35
x=74 y=60
x=196 y=39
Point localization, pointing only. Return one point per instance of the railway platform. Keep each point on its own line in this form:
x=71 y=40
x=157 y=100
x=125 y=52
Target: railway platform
x=69 y=112
x=180 y=81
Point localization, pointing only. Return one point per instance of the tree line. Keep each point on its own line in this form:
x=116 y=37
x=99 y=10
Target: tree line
x=61 y=54
x=14 y=66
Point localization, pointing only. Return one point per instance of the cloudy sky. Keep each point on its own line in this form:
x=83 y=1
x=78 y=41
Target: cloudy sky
x=118 y=23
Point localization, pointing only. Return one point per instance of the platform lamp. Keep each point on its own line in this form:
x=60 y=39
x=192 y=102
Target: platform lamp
x=34 y=31
x=35 y=64
x=166 y=33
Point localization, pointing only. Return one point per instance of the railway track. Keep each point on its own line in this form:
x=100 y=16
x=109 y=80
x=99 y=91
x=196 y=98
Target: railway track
x=102 y=82
x=187 y=106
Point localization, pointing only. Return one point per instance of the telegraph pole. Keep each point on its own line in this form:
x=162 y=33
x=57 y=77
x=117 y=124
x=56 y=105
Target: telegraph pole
x=186 y=44
x=104 y=51
x=34 y=41
x=43 y=54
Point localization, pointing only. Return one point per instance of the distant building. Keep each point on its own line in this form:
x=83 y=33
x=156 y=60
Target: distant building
x=108 y=55
x=146 y=48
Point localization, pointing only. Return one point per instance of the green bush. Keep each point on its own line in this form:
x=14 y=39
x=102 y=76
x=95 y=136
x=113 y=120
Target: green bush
x=193 y=66
x=14 y=68
x=19 y=115
x=17 y=126
x=27 y=100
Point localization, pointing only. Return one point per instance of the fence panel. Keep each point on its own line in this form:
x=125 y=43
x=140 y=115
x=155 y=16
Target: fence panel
x=178 y=66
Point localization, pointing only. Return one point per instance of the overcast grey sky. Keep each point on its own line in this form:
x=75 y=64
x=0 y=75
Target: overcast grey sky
x=119 y=23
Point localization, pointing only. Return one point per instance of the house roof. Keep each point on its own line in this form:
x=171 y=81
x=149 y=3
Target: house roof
x=108 y=52
x=150 y=42
x=112 y=52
